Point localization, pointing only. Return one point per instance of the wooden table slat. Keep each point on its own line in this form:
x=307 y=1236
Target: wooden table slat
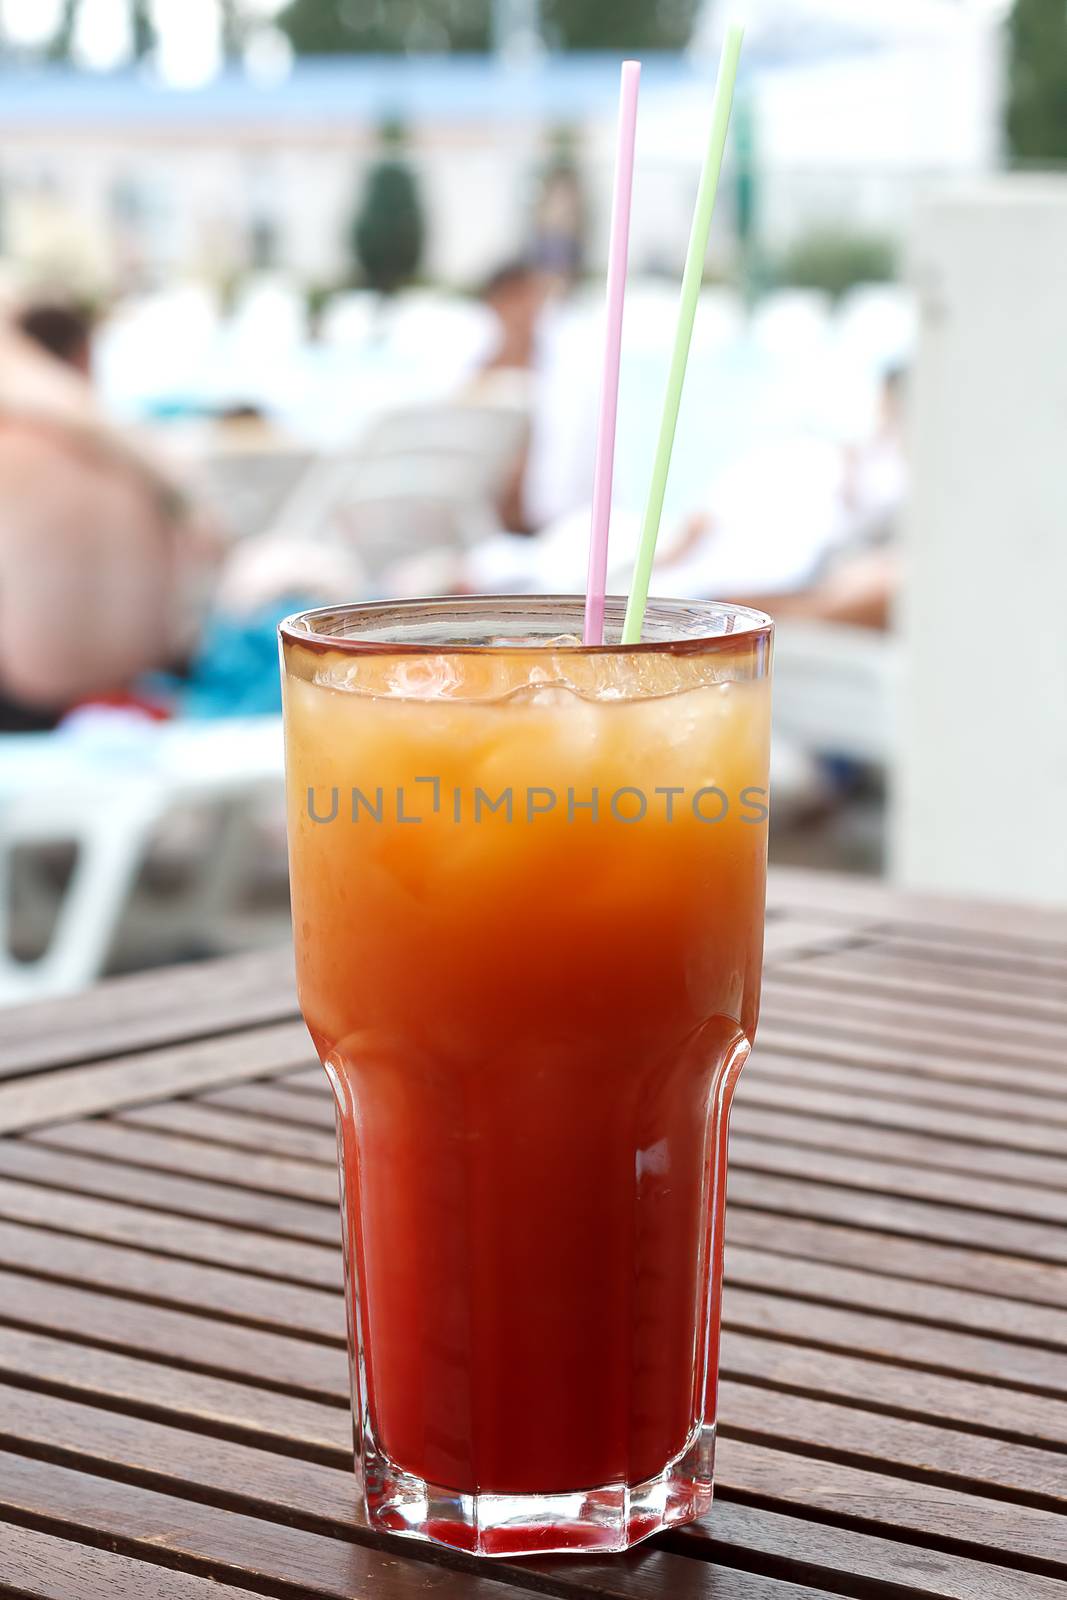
x=228 y=1349
x=1024 y=1371
x=225 y=1407
x=294 y=1562
x=1043 y=980
x=921 y=1261
x=915 y=982
x=971 y=951
x=105 y=1139
x=164 y=1233
x=167 y=1282
x=851 y=1103
x=862 y=1497
x=980 y=1322
x=898 y=1389
x=235 y=1132
x=268 y=1100
x=868 y=903
x=826 y=1548
x=778 y=1081
x=980 y=1193
x=221 y=1542
x=227 y=1204
x=920 y=1037
x=923 y=1075
x=129 y=1013
x=36 y=1566
x=150 y=1075
x=919 y=1450
x=916 y=1219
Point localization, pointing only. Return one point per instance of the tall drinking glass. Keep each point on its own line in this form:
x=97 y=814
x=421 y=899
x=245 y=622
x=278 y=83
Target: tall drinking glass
x=528 y=889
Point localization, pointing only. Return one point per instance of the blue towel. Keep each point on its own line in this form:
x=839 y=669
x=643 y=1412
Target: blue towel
x=235 y=670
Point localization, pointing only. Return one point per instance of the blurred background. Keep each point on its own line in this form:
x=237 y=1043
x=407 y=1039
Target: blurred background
x=302 y=302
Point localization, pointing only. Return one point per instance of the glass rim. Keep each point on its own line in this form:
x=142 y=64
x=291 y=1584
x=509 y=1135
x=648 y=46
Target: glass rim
x=746 y=626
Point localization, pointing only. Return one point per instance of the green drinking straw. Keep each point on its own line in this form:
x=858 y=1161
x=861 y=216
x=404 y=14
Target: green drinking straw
x=687 y=310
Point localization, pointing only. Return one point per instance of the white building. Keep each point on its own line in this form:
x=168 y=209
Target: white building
x=128 y=178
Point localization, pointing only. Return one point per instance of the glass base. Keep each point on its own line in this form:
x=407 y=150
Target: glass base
x=602 y=1520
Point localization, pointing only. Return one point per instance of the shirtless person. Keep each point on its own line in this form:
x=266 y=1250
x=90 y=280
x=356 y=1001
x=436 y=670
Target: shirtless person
x=96 y=542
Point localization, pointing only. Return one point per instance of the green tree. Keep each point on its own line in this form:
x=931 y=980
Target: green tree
x=236 y=27
x=836 y=260
x=1036 y=114
x=326 y=27
x=620 y=25
x=331 y=26
x=143 y=28
x=60 y=46
x=389 y=231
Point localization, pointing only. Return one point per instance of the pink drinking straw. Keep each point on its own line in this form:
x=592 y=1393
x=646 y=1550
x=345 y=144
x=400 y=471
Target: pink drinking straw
x=596 y=582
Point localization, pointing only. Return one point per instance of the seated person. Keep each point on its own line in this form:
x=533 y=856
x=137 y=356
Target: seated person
x=97 y=543
x=837 y=511
x=545 y=356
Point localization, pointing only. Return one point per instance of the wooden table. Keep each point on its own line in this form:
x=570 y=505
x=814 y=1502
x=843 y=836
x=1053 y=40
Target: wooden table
x=173 y=1390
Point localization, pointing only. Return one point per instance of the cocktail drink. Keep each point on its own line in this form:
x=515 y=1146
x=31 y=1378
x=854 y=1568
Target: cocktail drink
x=528 y=888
